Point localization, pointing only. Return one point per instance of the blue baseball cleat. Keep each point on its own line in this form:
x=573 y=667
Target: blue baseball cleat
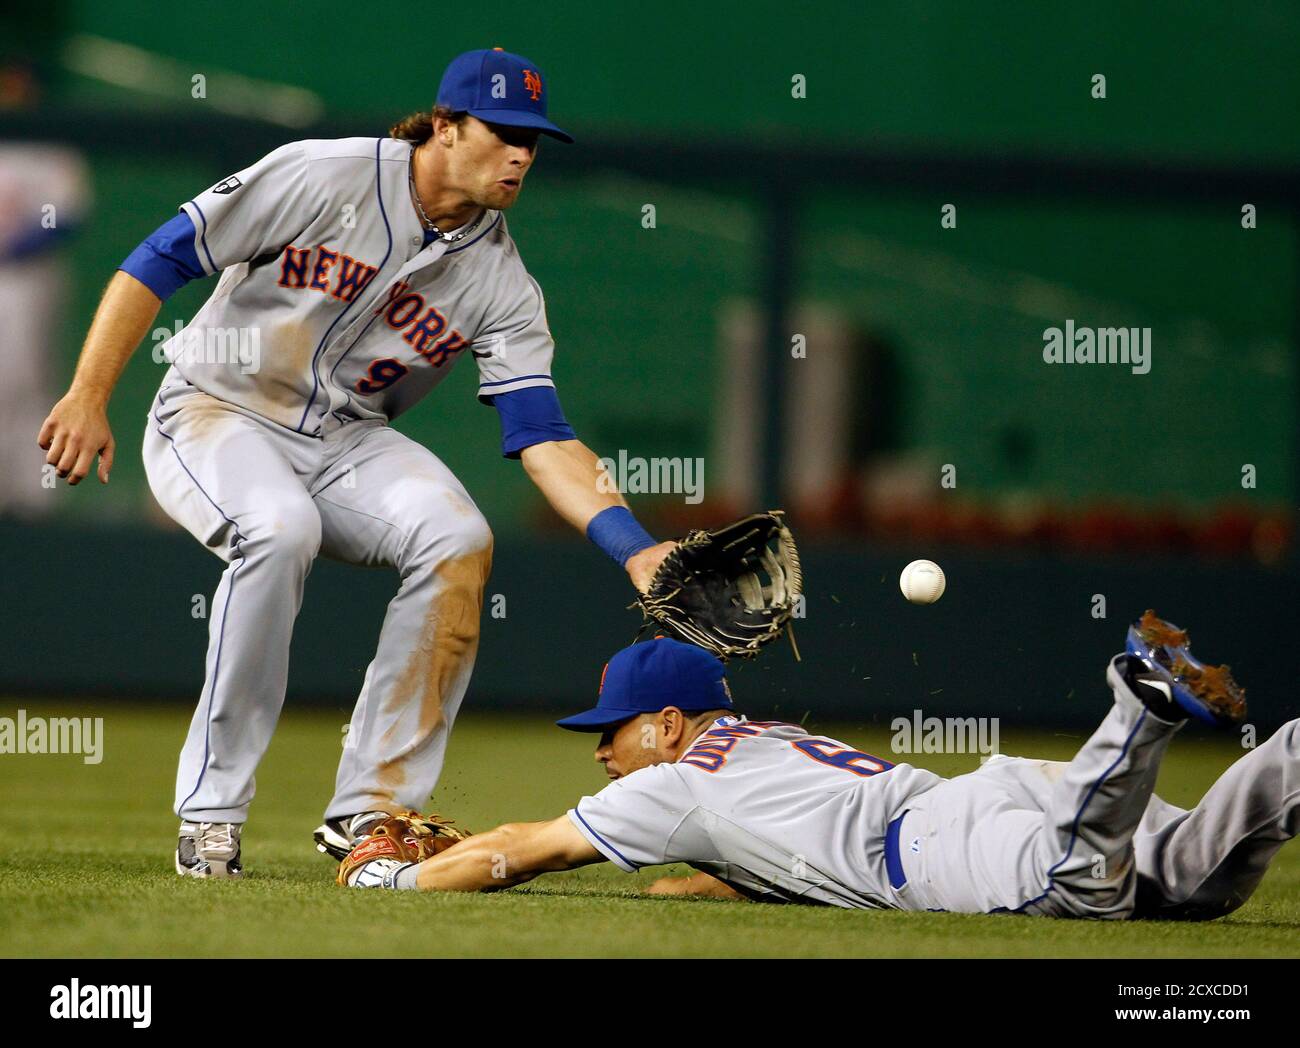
x=1207 y=693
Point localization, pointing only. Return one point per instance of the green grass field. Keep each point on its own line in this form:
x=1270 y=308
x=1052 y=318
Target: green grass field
x=86 y=866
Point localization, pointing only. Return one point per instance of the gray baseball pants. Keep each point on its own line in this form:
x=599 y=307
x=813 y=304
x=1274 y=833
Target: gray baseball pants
x=267 y=500
x=1089 y=837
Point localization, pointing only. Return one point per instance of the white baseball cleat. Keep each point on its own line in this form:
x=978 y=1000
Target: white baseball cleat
x=337 y=837
x=209 y=849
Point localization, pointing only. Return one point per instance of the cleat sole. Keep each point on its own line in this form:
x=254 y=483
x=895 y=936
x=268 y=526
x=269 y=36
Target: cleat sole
x=1215 y=686
x=1157 y=633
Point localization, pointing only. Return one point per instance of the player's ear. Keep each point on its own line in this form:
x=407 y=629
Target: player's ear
x=673 y=722
x=444 y=130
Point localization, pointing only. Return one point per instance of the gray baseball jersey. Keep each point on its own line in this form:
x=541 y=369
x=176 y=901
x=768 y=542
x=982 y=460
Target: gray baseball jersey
x=775 y=812
x=785 y=816
x=324 y=269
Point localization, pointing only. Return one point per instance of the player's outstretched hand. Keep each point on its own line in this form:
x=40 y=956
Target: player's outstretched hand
x=641 y=567
x=75 y=431
x=699 y=884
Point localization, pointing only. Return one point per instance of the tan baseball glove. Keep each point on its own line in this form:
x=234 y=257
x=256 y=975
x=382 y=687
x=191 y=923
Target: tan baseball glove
x=404 y=837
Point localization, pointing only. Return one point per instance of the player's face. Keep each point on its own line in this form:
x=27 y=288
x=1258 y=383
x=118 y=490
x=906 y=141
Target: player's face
x=489 y=161
x=632 y=745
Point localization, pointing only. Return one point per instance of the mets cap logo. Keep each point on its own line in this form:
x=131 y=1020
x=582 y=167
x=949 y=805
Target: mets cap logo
x=532 y=84
x=602 y=679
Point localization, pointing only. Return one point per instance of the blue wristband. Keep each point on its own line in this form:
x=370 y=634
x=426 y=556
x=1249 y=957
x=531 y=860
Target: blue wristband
x=617 y=532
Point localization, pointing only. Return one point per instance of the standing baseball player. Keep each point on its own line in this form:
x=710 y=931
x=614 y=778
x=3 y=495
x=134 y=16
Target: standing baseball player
x=772 y=813
x=354 y=274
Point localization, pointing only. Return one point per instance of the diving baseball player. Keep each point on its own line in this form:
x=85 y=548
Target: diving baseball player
x=354 y=274
x=773 y=813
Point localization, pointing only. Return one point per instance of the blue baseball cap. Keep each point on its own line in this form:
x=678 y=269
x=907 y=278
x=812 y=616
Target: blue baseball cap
x=644 y=678
x=499 y=88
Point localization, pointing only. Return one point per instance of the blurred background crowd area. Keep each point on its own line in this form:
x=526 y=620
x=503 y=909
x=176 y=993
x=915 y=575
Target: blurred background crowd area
x=923 y=343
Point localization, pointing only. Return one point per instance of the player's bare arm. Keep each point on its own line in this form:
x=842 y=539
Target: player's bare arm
x=701 y=885
x=519 y=851
x=426 y=853
x=570 y=475
x=77 y=429
x=506 y=856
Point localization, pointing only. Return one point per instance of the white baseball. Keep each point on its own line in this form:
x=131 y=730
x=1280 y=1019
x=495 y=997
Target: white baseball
x=922 y=582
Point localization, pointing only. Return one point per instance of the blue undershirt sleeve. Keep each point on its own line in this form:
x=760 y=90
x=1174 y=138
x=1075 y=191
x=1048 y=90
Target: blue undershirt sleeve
x=166 y=260
x=530 y=416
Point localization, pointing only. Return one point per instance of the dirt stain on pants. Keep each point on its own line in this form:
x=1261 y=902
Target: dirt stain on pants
x=444 y=653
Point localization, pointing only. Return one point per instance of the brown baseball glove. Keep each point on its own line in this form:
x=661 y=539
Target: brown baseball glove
x=402 y=838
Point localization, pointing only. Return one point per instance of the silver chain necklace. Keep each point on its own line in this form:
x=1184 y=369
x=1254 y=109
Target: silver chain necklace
x=424 y=217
